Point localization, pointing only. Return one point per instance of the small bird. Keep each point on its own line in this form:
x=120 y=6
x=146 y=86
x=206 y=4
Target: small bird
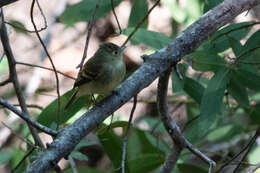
x=101 y=74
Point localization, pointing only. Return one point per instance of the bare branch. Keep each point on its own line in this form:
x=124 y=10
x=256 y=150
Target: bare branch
x=27 y=119
x=50 y=59
x=155 y=64
x=46 y=68
x=14 y=78
x=90 y=26
x=126 y=135
x=6 y=2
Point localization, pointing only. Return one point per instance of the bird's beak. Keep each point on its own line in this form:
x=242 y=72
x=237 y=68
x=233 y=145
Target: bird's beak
x=122 y=48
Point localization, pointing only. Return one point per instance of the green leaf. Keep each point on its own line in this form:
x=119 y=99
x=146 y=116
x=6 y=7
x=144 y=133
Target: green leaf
x=248 y=78
x=207 y=61
x=224 y=133
x=238 y=91
x=219 y=41
x=146 y=162
x=138 y=11
x=138 y=148
x=154 y=39
x=6 y=155
x=18 y=27
x=254 y=114
x=84 y=169
x=211 y=104
x=112 y=145
x=251 y=50
x=49 y=114
x=78 y=155
x=235 y=45
x=209 y=4
x=83 y=11
x=253 y=41
x=194 y=89
x=188 y=168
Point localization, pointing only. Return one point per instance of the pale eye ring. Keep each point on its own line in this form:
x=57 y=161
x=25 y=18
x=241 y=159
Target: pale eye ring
x=115 y=52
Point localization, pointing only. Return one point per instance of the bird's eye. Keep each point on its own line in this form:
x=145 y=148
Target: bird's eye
x=115 y=52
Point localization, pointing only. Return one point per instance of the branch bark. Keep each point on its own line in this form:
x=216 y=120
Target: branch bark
x=155 y=64
x=6 y=2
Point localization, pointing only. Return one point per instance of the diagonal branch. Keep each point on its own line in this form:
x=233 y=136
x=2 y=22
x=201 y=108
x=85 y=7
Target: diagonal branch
x=155 y=64
x=27 y=119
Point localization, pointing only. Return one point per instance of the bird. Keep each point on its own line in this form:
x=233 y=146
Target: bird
x=101 y=74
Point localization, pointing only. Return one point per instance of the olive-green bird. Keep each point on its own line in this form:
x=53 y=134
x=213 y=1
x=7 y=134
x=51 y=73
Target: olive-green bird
x=102 y=73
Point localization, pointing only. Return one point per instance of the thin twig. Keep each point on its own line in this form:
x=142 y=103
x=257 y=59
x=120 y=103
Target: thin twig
x=114 y=13
x=73 y=165
x=26 y=118
x=31 y=106
x=90 y=26
x=238 y=154
x=46 y=68
x=24 y=29
x=126 y=135
x=28 y=142
x=52 y=63
x=141 y=22
x=23 y=159
x=14 y=78
x=5 y=82
x=248 y=147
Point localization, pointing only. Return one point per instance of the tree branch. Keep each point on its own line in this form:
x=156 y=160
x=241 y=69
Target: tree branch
x=27 y=119
x=6 y=2
x=14 y=78
x=155 y=64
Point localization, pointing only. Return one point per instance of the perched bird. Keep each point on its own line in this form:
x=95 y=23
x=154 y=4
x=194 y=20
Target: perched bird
x=102 y=73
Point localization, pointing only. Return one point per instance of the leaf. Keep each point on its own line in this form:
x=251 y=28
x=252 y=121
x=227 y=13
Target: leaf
x=251 y=50
x=253 y=41
x=238 y=91
x=194 y=89
x=219 y=41
x=6 y=155
x=18 y=27
x=112 y=145
x=254 y=113
x=49 y=113
x=211 y=104
x=209 y=4
x=207 y=61
x=84 y=169
x=139 y=147
x=146 y=162
x=188 y=168
x=248 y=78
x=154 y=39
x=83 y=11
x=79 y=156
x=235 y=45
x=138 y=11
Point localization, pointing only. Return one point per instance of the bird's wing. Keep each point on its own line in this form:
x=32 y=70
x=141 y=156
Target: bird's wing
x=89 y=72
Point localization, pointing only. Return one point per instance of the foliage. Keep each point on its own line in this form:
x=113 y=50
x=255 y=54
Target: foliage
x=221 y=78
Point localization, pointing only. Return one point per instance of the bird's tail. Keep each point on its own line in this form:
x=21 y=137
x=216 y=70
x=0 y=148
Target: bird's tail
x=72 y=99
